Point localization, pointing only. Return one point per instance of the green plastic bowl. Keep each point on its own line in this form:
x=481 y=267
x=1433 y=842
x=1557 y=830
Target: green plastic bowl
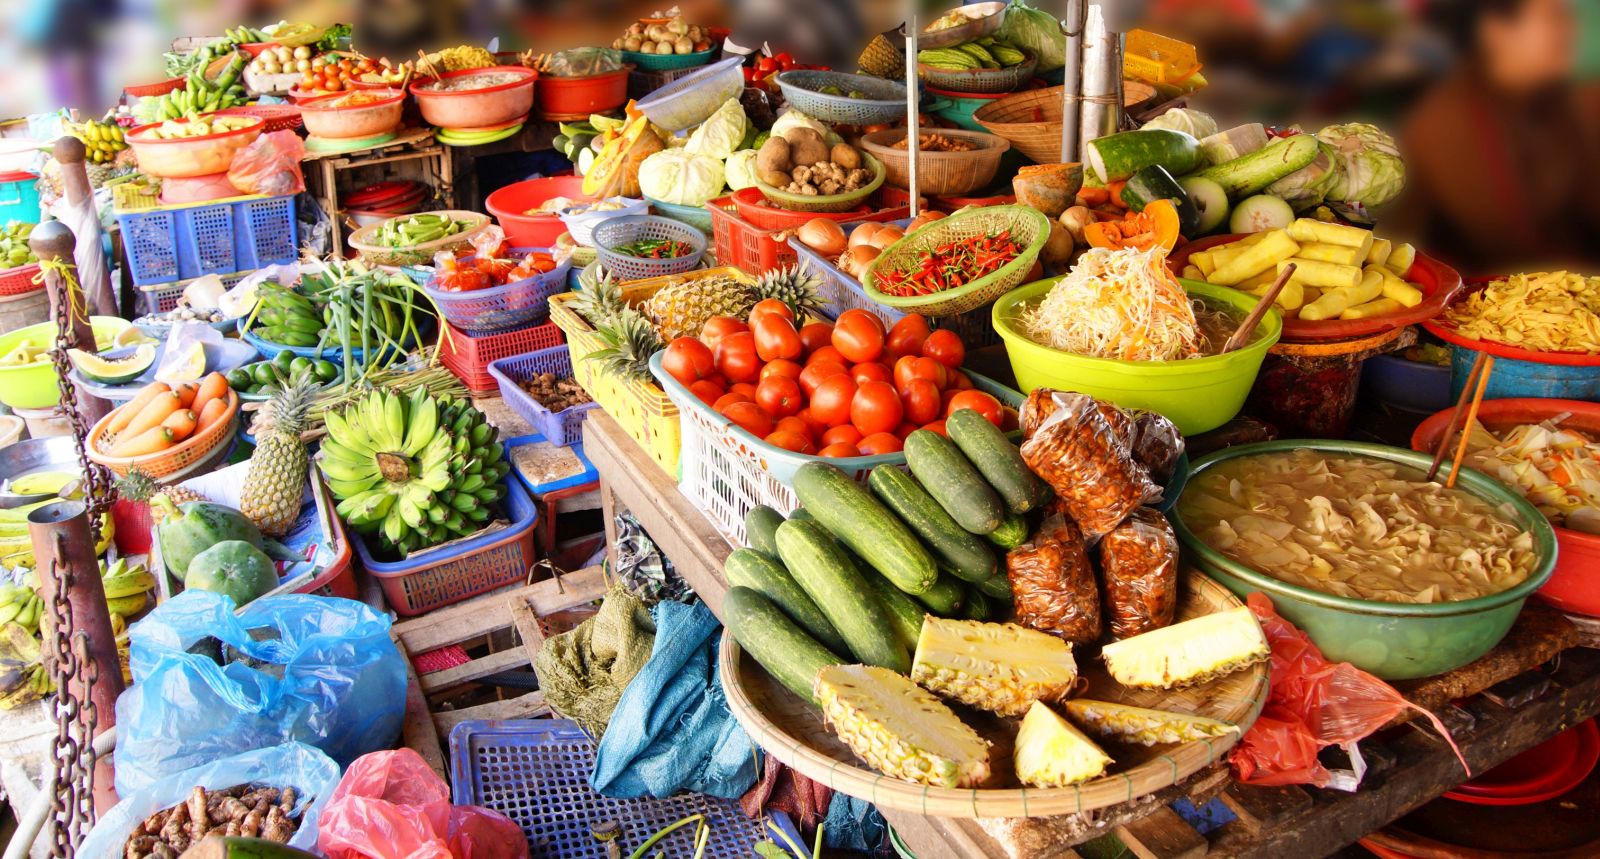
x=34 y=386
x=1198 y=394
x=1395 y=641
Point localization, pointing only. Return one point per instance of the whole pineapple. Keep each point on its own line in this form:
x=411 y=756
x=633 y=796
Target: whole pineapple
x=597 y=304
x=630 y=341
x=795 y=286
x=681 y=308
x=277 y=476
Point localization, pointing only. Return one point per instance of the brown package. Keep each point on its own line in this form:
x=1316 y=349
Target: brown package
x=1076 y=451
x=1156 y=444
x=1052 y=583
x=1139 y=565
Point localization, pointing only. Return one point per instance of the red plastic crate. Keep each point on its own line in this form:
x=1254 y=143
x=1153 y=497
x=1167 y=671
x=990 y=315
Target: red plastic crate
x=469 y=357
x=890 y=204
x=746 y=246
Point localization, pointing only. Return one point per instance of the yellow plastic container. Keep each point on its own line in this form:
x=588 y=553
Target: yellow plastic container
x=33 y=385
x=1158 y=60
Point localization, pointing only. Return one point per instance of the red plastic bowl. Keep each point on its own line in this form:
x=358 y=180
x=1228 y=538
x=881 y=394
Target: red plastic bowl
x=1439 y=284
x=582 y=95
x=1447 y=332
x=1541 y=773
x=476 y=108
x=1574 y=587
x=533 y=231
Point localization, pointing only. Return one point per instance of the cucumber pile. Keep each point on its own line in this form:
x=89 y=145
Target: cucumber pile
x=850 y=575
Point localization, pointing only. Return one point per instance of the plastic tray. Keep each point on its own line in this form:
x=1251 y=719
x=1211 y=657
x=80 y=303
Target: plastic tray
x=622 y=231
x=502 y=308
x=739 y=243
x=536 y=772
x=582 y=224
x=691 y=99
x=564 y=427
x=694 y=216
x=178 y=243
x=469 y=357
x=589 y=474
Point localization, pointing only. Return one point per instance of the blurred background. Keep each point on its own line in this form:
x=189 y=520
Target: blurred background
x=1496 y=102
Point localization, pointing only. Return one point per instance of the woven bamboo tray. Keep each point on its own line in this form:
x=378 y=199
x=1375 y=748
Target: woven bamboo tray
x=791 y=730
x=376 y=254
x=1032 y=120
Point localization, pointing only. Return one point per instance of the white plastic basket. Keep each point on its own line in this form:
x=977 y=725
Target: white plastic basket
x=581 y=224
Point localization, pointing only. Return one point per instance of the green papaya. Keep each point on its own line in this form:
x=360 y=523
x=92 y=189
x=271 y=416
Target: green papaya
x=233 y=568
x=188 y=530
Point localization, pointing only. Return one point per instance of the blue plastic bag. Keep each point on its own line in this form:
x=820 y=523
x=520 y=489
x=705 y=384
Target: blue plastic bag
x=331 y=678
x=312 y=774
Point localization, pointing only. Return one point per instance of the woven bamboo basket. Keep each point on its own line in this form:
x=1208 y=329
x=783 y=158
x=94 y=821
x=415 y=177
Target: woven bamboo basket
x=1027 y=226
x=1032 y=120
x=939 y=174
x=174 y=459
x=829 y=204
x=422 y=254
x=791 y=730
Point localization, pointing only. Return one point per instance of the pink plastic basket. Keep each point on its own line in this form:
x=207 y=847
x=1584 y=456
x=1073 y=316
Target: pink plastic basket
x=562 y=428
x=505 y=308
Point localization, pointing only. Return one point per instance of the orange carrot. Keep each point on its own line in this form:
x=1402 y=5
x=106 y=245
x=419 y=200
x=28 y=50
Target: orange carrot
x=152 y=440
x=1093 y=198
x=211 y=387
x=187 y=391
x=125 y=415
x=1114 y=194
x=211 y=413
x=182 y=423
x=153 y=413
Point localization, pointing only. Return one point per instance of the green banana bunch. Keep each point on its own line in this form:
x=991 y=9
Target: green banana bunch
x=287 y=317
x=411 y=230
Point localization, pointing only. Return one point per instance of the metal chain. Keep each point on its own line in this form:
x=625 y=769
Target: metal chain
x=97 y=480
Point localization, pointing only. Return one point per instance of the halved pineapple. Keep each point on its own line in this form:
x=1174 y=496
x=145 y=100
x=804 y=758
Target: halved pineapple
x=1131 y=724
x=1188 y=653
x=1000 y=667
x=1050 y=752
x=900 y=729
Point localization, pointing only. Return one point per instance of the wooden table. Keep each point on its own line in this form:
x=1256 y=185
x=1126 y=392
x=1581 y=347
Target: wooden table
x=1409 y=765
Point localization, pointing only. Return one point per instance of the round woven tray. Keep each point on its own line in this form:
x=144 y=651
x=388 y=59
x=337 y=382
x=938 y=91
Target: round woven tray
x=885 y=101
x=421 y=254
x=1028 y=226
x=170 y=461
x=791 y=730
x=981 y=81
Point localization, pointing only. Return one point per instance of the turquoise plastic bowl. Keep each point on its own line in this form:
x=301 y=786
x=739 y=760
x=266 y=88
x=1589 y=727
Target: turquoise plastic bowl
x=1395 y=641
x=1198 y=394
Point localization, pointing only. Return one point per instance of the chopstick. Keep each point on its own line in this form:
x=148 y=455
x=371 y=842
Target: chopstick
x=1248 y=326
x=1472 y=416
x=1455 y=415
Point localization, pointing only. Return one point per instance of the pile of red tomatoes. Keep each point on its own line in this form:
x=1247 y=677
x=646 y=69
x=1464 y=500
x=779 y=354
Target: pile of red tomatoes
x=849 y=388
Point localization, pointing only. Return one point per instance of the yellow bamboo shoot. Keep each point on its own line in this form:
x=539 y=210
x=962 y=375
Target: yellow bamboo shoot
x=1203 y=261
x=1192 y=273
x=1380 y=307
x=1324 y=274
x=1380 y=251
x=1312 y=230
x=1262 y=256
x=1395 y=288
x=1400 y=259
x=1291 y=297
x=1336 y=301
x=1338 y=254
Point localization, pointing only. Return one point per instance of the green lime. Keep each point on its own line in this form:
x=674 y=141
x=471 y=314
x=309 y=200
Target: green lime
x=299 y=367
x=326 y=371
x=263 y=373
x=239 y=378
x=282 y=359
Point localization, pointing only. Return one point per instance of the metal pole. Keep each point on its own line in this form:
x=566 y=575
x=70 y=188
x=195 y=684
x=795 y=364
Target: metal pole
x=70 y=152
x=53 y=241
x=1072 y=82
x=913 y=133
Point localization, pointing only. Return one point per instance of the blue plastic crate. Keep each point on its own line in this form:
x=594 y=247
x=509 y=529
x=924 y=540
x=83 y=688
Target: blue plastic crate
x=590 y=474
x=536 y=772
x=19 y=197
x=564 y=427
x=178 y=243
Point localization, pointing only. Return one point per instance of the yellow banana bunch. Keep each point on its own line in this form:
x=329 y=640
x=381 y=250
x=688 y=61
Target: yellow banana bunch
x=16 y=549
x=127 y=588
x=23 y=678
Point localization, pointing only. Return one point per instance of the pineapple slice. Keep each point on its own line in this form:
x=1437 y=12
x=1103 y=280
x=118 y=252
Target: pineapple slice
x=1110 y=721
x=899 y=728
x=1188 y=653
x=1050 y=752
x=1000 y=667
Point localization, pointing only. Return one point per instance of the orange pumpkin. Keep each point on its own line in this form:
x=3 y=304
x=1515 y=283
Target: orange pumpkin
x=1156 y=226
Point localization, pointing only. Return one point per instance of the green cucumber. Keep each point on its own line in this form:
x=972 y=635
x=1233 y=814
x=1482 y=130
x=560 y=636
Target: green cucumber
x=1209 y=199
x=747 y=568
x=1250 y=174
x=964 y=554
x=905 y=613
x=1155 y=183
x=862 y=523
x=831 y=579
x=945 y=597
x=1261 y=213
x=952 y=481
x=761 y=529
x=976 y=606
x=778 y=643
x=1012 y=533
x=1117 y=156
x=997 y=587
x=997 y=459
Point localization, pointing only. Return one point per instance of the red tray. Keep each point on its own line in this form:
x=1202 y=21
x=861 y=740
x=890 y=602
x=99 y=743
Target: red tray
x=381 y=193
x=1543 y=772
x=1440 y=284
x=1447 y=332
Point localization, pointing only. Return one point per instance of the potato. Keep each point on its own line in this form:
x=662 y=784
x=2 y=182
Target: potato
x=776 y=178
x=845 y=156
x=774 y=156
x=806 y=146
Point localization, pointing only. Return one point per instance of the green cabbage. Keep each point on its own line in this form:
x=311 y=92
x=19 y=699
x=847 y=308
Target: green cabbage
x=681 y=177
x=1187 y=120
x=741 y=169
x=1370 y=169
x=1037 y=31
x=1308 y=186
x=720 y=135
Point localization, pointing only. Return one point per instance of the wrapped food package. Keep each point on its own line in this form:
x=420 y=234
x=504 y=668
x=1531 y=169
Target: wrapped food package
x=1076 y=450
x=1156 y=444
x=1052 y=582
x=1139 y=566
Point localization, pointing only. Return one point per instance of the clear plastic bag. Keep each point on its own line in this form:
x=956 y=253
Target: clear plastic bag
x=391 y=805
x=1156 y=444
x=311 y=773
x=581 y=62
x=1139 y=565
x=1052 y=583
x=1086 y=461
x=269 y=165
x=1314 y=703
x=319 y=670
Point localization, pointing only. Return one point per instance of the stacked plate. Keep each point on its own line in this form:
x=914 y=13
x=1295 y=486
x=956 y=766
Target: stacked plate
x=376 y=203
x=480 y=136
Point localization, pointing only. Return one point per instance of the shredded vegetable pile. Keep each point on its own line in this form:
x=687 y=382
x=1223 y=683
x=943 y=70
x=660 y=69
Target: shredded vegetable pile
x=1121 y=304
x=1546 y=312
x=1556 y=469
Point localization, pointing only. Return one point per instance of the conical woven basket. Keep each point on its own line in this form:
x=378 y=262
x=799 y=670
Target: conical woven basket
x=1032 y=120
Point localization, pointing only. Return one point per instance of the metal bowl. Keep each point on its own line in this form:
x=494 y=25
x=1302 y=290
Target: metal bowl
x=985 y=19
x=54 y=453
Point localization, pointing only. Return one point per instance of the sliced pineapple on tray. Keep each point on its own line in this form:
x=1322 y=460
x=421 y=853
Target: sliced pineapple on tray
x=1126 y=723
x=1000 y=667
x=899 y=728
x=1188 y=653
x=1050 y=752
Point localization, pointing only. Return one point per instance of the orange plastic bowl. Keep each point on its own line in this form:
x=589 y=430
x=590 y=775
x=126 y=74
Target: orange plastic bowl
x=1574 y=587
x=480 y=107
x=188 y=157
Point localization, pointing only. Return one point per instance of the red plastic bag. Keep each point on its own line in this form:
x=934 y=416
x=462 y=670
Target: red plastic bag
x=1313 y=703
x=390 y=805
x=269 y=165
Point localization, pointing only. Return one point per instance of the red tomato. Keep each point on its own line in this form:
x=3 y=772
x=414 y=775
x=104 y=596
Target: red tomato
x=708 y=392
x=946 y=348
x=872 y=371
x=688 y=360
x=827 y=353
x=842 y=434
x=737 y=358
x=718 y=327
x=770 y=306
x=794 y=424
x=908 y=369
x=815 y=335
x=744 y=388
x=1009 y=420
x=921 y=400
x=938 y=427
x=775 y=338
x=959 y=381
x=876 y=408
x=839 y=451
x=858 y=335
x=814 y=374
x=945 y=399
x=781 y=397
x=830 y=403
x=782 y=367
x=790 y=440
x=904 y=430
x=726 y=400
x=906 y=336
x=979 y=402
x=816 y=427
x=718 y=380
x=751 y=418
x=880 y=443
